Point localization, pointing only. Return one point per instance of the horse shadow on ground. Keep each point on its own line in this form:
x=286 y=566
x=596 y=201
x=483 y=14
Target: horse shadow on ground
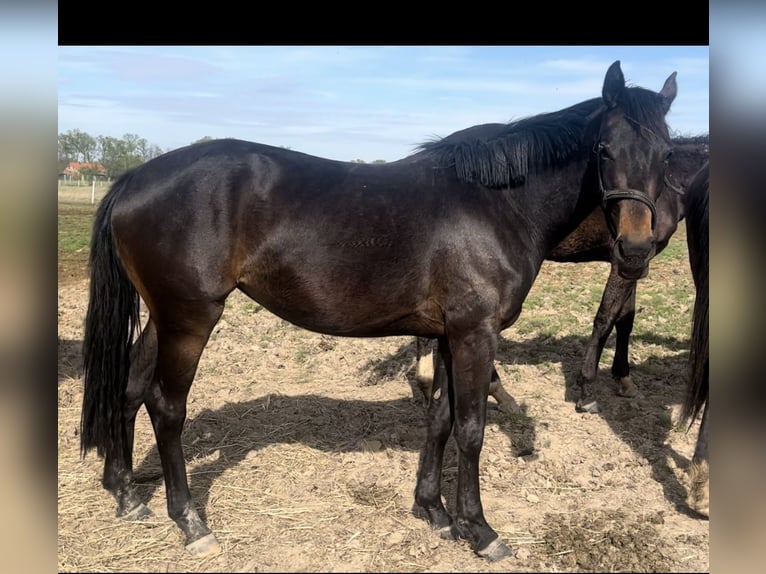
x=314 y=421
x=342 y=425
x=318 y=422
x=643 y=422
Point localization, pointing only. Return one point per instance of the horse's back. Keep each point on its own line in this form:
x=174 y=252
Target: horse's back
x=331 y=246
x=176 y=218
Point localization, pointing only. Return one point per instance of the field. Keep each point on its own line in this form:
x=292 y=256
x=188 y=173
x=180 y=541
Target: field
x=302 y=449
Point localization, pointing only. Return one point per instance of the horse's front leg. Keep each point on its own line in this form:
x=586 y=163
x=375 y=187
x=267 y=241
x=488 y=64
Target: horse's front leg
x=439 y=417
x=472 y=359
x=616 y=293
x=621 y=363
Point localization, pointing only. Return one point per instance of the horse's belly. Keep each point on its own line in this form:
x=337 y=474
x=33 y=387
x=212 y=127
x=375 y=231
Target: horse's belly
x=345 y=304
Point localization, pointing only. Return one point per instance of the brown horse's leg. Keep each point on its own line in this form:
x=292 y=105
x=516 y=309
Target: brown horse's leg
x=440 y=417
x=616 y=292
x=424 y=375
x=504 y=400
x=118 y=473
x=699 y=472
x=181 y=340
x=425 y=367
x=472 y=358
x=621 y=364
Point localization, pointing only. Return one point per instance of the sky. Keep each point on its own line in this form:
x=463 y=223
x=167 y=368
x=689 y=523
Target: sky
x=351 y=102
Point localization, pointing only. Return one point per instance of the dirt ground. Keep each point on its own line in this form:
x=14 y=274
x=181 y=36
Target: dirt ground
x=302 y=452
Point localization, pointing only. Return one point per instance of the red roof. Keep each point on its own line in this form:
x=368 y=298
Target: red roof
x=75 y=167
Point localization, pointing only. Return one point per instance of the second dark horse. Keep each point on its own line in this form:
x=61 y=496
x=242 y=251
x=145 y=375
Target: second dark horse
x=592 y=241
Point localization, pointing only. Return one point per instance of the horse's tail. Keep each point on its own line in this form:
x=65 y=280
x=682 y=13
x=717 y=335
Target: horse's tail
x=111 y=320
x=697 y=218
x=697 y=389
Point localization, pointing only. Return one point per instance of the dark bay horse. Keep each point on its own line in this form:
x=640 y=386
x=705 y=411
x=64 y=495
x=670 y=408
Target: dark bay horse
x=698 y=390
x=445 y=243
x=592 y=241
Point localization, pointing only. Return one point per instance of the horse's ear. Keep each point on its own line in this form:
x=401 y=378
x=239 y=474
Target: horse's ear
x=669 y=91
x=614 y=85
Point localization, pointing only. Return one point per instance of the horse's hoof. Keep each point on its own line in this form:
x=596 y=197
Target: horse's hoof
x=446 y=533
x=571 y=394
x=626 y=388
x=205 y=546
x=140 y=512
x=589 y=407
x=495 y=550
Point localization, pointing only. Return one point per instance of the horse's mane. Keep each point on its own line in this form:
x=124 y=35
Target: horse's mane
x=503 y=155
x=697 y=146
x=689 y=152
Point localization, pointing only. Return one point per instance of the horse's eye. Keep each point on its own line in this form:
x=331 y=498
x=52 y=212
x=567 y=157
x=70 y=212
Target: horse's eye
x=668 y=155
x=603 y=151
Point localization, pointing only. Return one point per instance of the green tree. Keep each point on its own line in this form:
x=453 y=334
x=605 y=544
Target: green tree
x=115 y=154
x=75 y=145
x=111 y=152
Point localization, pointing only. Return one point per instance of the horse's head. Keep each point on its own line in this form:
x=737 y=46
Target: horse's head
x=631 y=153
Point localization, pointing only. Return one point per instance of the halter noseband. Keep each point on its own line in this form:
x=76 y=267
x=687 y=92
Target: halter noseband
x=608 y=195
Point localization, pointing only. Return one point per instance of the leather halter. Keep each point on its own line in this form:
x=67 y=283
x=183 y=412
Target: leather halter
x=617 y=194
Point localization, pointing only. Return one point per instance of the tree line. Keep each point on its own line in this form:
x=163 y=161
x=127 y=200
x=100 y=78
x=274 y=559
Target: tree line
x=116 y=155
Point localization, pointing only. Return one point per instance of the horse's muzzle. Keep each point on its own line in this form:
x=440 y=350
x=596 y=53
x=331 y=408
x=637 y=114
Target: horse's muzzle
x=632 y=257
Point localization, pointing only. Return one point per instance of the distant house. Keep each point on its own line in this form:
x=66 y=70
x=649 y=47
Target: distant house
x=77 y=170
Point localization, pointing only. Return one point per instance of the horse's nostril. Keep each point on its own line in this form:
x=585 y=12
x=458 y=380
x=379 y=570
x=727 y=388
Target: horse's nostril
x=633 y=250
x=620 y=247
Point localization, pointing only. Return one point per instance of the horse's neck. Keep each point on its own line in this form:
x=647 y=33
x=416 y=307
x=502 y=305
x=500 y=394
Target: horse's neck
x=562 y=200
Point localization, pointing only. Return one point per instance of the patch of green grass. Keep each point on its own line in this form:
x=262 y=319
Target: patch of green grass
x=75 y=224
x=676 y=249
x=252 y=307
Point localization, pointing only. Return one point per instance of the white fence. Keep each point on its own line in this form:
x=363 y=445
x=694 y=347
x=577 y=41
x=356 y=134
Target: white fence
x=86 y=192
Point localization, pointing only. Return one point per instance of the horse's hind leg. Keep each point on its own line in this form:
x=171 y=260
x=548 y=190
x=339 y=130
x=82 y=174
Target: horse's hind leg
x=181 y=340
x=699 y=472
x=118 y=472
x=439 y=416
